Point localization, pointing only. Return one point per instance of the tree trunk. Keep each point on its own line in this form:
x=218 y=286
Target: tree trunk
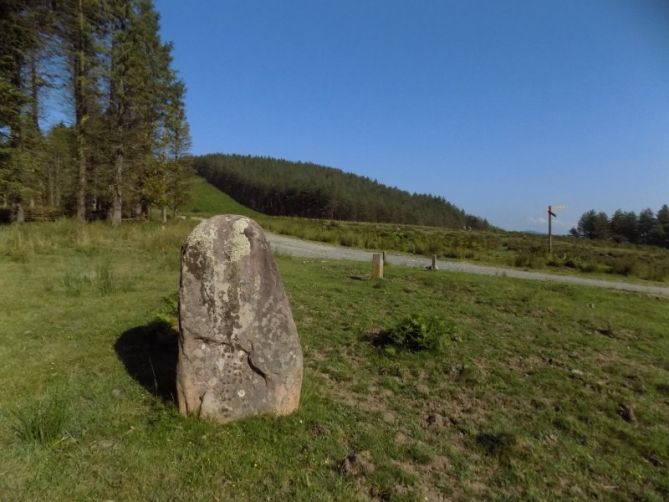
x=34 y=93
x=56 y=194
x=80 y=112
x=117 y=201
x=52 y=180
x=81 y=194
x=16 y=132
x=164 y=214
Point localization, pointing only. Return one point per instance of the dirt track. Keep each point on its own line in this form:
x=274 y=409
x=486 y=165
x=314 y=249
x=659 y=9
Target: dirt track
x=308 y=249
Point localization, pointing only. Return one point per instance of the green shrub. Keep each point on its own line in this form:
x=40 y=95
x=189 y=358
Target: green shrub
x=530 y=258
x=654 y=272
x=418 y=333
x=624 y=266
x=590 y=266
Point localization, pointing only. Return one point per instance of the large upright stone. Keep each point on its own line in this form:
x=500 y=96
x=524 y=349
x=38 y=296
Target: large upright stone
x=239 y=353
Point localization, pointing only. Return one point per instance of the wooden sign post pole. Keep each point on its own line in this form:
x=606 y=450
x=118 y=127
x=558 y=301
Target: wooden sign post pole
x=550 y=230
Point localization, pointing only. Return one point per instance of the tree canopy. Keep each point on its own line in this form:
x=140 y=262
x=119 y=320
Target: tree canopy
x=625 y=226
x=125 y=145
x=281 y=187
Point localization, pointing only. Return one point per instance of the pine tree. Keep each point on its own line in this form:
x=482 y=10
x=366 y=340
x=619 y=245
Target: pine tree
x=80 y=26
x=143 y=97
x=176 y=147
x=663 y=222
x=127 y=104
x=646 y=225
x=624 y=226
x=19 y=38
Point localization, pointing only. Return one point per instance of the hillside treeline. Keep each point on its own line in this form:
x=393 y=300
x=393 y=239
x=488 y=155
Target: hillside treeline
x=281 y=187
x=626 y=226
x=102 y=67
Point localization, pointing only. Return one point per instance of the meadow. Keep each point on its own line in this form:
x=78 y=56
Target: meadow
x=513 y=249
x=537 y=390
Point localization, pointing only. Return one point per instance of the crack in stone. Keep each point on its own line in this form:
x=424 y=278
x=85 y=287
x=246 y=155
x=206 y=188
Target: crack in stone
x=199 y=407
x=252 y=365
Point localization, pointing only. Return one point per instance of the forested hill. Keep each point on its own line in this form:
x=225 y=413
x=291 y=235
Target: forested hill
x=281 y=187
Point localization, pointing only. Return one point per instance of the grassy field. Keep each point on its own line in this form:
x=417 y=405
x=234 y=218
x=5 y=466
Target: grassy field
x=208 y=200
x=541 y=391
x=514 y=249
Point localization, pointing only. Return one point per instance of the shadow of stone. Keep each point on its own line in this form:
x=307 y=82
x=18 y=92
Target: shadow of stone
x=149 y=354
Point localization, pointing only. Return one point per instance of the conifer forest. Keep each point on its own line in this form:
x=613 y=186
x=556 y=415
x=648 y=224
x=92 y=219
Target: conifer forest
x=92 y=119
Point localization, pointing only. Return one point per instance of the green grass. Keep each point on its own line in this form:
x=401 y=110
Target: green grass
x=511 y=249
x=525 y=401
x=43 y=421
x=208 y=200
x=600 y=259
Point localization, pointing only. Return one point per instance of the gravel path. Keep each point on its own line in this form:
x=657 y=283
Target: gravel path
x=308 y=249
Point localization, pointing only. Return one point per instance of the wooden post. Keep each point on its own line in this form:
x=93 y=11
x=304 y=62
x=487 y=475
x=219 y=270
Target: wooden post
x=551 y=215
x=550 y=230
x=20 y=216
x=385 y=262
x=377 y=266
x=434 y=262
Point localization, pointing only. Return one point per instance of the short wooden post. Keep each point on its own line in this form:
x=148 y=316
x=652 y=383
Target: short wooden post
x=385 y=262
x=377 y=266
x=20 y=215
x=434 y=262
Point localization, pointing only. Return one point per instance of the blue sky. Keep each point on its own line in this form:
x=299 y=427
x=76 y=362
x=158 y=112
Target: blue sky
x=500 y=106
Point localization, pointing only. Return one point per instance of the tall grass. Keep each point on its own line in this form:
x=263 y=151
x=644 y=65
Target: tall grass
x=105 y=280
x=504 y=248
x=23 y=243
x=75 y=282
x=43 y=421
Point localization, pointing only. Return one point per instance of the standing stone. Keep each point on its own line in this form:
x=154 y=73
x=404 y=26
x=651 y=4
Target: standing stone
x=239 y=352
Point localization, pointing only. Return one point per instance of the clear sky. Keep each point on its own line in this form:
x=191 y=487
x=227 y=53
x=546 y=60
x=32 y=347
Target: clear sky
x=500 y=106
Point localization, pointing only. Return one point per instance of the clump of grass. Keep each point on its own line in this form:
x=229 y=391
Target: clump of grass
x=75 y=282
x=419 y=454
x=16 y=246
x=42 y=422
x=105 y=279
x=417 y=333
x=168 y=312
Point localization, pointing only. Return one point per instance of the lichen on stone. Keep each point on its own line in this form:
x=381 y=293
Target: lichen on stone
x=240 y=246
x=239 y=353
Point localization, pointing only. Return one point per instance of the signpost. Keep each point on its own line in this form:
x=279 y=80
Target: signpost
x=552 y=215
